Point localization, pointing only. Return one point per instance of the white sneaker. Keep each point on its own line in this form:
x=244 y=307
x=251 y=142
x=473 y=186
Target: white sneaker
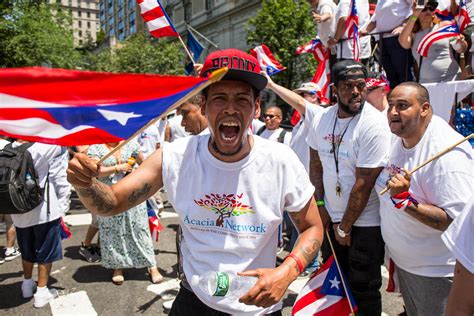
x=9 y=256
x=167 y=305
x=43 y=299
x=28 y=287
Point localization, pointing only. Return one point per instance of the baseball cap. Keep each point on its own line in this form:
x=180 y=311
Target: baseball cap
x=242 y=67
x=309 y=87
x=342 y=70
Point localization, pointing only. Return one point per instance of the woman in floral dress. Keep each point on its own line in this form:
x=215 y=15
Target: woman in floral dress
x=125 y=238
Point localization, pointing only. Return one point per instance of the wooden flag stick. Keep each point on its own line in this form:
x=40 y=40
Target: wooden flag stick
x=340 y=273
x=215 y=76
x=186 y=49
x=434 y=158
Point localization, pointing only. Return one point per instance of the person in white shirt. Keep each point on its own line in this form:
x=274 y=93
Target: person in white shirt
x=194 y=121
x=420 y=206
x=38 y=231
x=149 y=140
x=377 y=90
x=389 y=18
x=349 y=145
x=458 y=238
x=324 y=15
x=174 y=129
x=230 y=190
x=272 y=130
x=10 y=252
x=344 y=45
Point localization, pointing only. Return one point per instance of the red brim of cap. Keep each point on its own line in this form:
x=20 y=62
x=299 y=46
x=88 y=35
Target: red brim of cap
x=256 y=80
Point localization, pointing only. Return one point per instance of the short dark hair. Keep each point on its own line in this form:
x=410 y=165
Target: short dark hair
x=422 y=94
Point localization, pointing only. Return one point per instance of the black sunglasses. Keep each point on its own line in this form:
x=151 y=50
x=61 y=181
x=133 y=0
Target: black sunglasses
x=431 y=7
x=269 y=116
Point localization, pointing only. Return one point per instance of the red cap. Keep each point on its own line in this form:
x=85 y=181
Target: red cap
x=242 y=67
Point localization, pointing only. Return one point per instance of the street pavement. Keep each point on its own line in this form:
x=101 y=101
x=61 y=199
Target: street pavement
x=86 y=288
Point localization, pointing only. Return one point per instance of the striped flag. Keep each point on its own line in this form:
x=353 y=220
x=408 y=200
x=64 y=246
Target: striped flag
x=450 y=30
x=153 y=221
x=308 y=48
x=71 y=107
x=352 y=30
x=266 y=60
x=463 y=18
x=322 y=77
x=323 y=294
x=156 y=19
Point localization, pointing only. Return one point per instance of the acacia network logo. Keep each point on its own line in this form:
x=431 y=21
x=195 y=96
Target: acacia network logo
x=225 y=206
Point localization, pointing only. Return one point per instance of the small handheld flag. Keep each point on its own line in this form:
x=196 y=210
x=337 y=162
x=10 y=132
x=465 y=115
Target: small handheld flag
x=463 y=19
x=352 y=30
x=324 y=294
x=450 y=30
x=156 y=19
x=153 y=221
x=266 y=60
x=195 y=48
x=308 y=48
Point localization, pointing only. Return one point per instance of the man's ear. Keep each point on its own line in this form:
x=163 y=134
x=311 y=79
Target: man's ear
x=257 y=109
x=425 y=109
x=334 y=89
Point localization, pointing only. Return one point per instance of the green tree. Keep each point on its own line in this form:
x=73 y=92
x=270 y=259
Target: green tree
x=142 y=54
x=32 y=35
x=283 y=25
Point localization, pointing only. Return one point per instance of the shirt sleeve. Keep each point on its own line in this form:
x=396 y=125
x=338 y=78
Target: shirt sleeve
x=312 y=119
x=58 y=178
x=298 y=189
x=374 y=146
x=342 y=10
x=459 y=236
x=326 y=8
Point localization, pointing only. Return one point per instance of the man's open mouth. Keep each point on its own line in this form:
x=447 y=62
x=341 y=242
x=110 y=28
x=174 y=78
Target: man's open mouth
x=229 y=131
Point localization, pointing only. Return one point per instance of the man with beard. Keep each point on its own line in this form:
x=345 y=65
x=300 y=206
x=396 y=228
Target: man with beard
x=420 y=207
x=349 y=149
x=230 y=190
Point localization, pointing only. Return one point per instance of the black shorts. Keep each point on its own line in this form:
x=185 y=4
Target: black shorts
x=40 y=243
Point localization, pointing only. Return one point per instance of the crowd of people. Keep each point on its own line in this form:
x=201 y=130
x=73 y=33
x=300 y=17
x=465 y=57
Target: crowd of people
x=238 y=180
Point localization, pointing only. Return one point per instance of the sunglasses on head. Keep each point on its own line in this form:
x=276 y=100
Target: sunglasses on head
x=270 y=116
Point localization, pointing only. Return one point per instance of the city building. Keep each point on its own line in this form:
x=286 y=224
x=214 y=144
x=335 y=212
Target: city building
x=120 y=18
x=85 y=19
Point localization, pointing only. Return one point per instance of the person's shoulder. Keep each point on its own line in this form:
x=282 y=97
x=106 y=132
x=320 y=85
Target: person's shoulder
x=183 y=144
x=442 y=135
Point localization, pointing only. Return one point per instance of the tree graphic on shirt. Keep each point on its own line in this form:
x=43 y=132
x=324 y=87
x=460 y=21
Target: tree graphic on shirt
x=225 y=205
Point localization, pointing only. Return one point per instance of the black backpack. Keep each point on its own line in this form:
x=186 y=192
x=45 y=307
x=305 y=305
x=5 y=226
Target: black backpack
x=281 y=137
x=20 y=191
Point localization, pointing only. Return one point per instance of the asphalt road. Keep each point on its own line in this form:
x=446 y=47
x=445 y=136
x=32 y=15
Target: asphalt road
x=86 y=289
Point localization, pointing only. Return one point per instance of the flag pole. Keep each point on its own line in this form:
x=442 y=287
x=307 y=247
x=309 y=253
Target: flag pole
x=202 y=36
x=446 y=150
x=215 y=76
x=340 y=273
x=186 y=49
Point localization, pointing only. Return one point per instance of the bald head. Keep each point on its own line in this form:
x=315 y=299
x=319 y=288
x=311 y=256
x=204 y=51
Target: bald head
x=273 y=117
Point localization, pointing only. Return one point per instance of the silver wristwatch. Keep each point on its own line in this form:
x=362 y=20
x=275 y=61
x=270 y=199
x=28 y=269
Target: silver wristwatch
x=342 y=233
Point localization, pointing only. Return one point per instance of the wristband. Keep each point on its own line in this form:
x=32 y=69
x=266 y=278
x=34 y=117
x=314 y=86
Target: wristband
x=298 y=262
x=320 y=203
x=413 y=18
x=403 y=199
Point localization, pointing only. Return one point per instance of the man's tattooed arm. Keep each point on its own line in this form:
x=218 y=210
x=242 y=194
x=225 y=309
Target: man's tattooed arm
x=430 y=215
x=98 y=198
x=138 y=194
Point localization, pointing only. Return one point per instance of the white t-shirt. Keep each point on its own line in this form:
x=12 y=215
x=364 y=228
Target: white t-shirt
x=161 y=126
x=459 y=237
x=327 y=28
x=390 y=14
x=365 y=144
x=447 y=183
x=300 y=132
x=177 y=131
x=58 y=179
x=343 y=10
x=256 y=125
x=3 y=143
x=275 y=134
x=42 y=155
x=148 y=139
x=253 y=193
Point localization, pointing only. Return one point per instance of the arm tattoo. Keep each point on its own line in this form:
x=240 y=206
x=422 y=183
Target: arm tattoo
x=316 y=174
x=98 y=198
x=310 y=251
x=430 y=215
x=138 y=194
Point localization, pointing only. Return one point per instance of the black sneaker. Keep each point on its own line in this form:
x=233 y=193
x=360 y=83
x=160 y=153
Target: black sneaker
x=12 y=255
x=89 y=253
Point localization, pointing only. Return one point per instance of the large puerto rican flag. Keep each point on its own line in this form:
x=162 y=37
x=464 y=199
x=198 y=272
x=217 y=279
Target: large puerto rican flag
x=322 y=77
x=266 y=60
x=447 y=31
x=70 y=107
x=463 y=18
x=324 y=294
x=156 y=19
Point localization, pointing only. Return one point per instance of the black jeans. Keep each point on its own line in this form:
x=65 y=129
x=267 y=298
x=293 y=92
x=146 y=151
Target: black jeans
x=187 y=303
x=396 y=61
x=360 y=264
